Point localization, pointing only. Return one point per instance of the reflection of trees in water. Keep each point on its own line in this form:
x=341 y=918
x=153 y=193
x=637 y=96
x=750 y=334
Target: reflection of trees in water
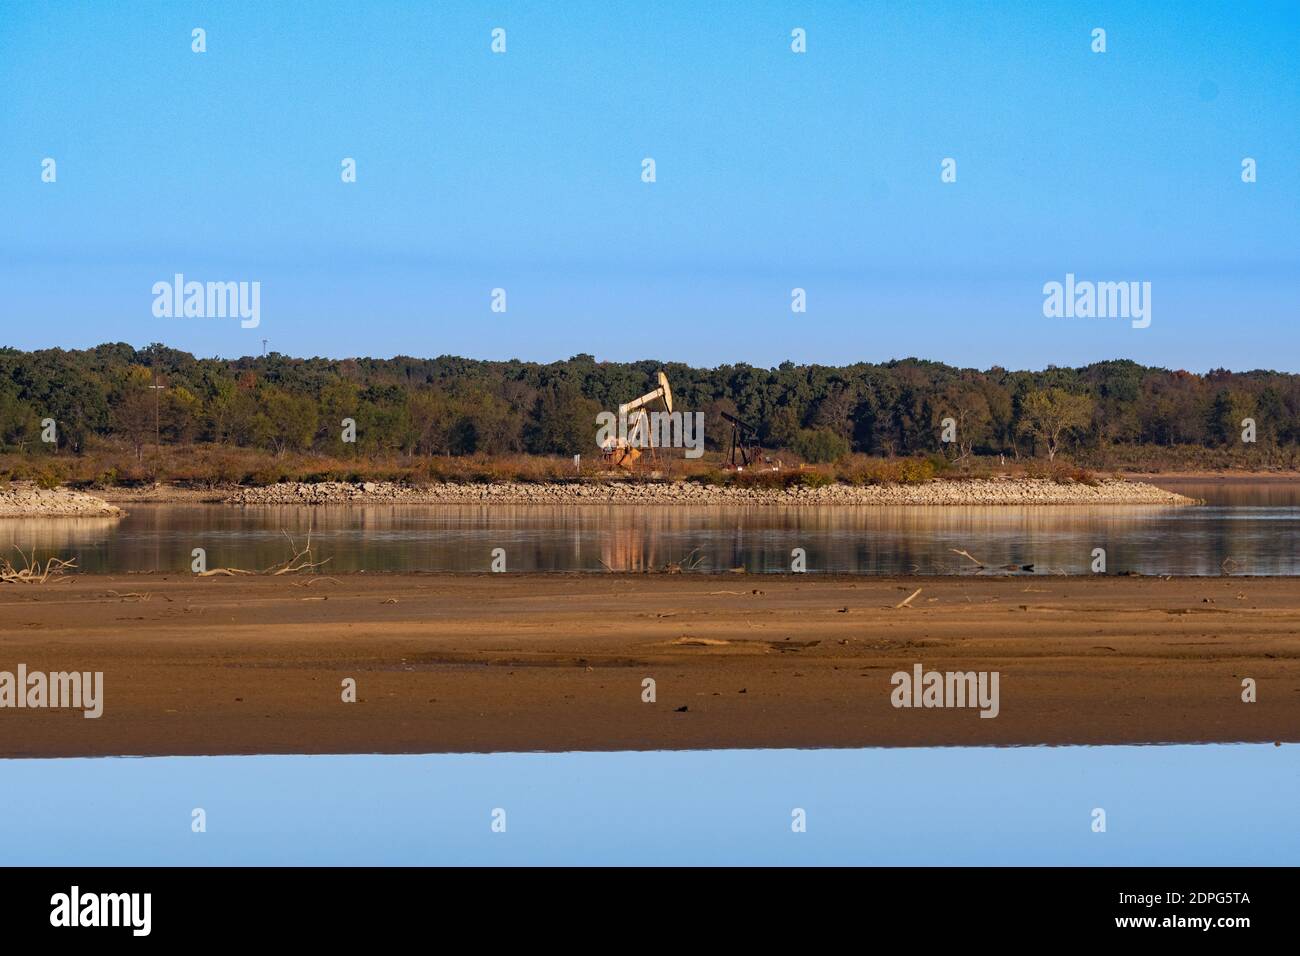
x=79 y=539
x=901 y=539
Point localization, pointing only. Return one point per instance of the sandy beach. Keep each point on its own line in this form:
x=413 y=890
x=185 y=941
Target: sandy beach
x=497 y=662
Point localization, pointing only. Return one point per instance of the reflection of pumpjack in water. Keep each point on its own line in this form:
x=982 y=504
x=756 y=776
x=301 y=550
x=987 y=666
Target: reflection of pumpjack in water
x=626 y=550
x=744 y=442
x=637 y=549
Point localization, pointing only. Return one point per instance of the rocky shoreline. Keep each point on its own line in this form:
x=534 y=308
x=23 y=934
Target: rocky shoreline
x=24 y=500
x=996 y=491
x=21 y=500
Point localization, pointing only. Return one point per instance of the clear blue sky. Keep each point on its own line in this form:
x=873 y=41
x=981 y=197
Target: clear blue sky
x=775 y=170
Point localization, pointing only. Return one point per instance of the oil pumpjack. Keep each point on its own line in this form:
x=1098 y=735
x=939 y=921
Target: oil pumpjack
x=744 y=441
x=622 y=452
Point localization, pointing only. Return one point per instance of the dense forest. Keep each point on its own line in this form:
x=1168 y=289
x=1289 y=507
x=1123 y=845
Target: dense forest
x=452 y=406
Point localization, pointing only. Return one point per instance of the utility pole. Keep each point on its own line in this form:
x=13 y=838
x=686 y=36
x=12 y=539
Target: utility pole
x=157 y=427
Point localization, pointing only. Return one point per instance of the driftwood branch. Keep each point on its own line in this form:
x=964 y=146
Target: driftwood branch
x=300 y=559
x=908 y=600
x=967 y=554
x=31 y=571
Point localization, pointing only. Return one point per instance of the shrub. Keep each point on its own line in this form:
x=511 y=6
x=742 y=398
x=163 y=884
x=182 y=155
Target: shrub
x=763 y=479
x=265 y=475
x=820 y=445
x=42 y=473
x=915 y=471
x=1060 y=472
x=714 y=476
x=815 y=479
x=860 y=470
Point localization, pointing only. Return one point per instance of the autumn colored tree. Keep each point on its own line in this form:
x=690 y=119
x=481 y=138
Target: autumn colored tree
x=1053 y=413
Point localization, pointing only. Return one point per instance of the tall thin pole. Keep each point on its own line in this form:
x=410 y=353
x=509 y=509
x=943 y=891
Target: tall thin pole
x=157 y=426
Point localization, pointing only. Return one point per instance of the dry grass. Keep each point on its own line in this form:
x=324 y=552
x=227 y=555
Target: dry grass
x=211 y=466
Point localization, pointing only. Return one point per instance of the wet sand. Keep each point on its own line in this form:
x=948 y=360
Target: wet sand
x=556 y=662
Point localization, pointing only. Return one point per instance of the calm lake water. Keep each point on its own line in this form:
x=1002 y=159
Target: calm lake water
x=1172 y=805
x=1255 y=527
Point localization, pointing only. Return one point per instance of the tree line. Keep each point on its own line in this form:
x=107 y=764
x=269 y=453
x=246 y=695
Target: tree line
x=457 y=406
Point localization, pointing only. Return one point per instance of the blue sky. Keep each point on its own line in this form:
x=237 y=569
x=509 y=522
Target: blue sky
x=774 y=170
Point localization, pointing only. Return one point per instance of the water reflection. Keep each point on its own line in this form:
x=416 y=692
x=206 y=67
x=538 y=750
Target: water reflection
x=54 y=536
x=1237 y=493
x=1256 y=538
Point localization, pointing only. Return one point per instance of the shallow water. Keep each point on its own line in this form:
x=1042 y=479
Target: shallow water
x=1254 y=528
x=1170 y=805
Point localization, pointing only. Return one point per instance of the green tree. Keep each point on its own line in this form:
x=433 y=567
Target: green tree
x=133 y=418
x=288 y=421
x=18 y=423
x=1053 y=413
x=180 y=413
x=563 y=422
x=431 y=415
x=967 y=406
x=1228 y=410
x=782 y=427
x=820 y=445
